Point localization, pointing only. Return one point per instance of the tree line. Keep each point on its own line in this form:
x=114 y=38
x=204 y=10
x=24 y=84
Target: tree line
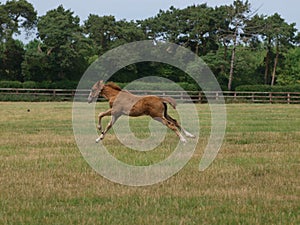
x=240 y=46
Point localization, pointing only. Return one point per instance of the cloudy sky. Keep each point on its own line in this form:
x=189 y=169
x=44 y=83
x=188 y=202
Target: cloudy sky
x=141 y=9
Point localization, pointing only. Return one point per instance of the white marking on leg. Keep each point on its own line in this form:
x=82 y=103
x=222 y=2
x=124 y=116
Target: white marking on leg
x=182 y=139
x=98 y=139
x=101 y=136
x=188 y=134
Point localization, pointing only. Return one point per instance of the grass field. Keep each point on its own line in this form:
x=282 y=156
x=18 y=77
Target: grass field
x=255 y=178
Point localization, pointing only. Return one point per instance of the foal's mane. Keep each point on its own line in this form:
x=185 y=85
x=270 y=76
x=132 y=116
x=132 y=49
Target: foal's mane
x=113 y=86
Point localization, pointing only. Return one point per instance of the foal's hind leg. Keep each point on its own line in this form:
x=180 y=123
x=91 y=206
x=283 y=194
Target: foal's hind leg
x=186 y=133
x=172 y=126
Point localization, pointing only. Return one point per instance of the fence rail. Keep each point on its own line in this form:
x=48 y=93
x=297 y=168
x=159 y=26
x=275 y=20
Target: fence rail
x=181 y=96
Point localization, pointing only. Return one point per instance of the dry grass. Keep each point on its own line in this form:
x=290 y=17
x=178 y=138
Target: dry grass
x=254 y=180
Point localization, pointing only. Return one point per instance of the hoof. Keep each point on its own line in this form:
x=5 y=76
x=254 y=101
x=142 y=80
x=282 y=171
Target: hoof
x=191 y=136
x=188 y=134
x=183 y=141
x=100 y=138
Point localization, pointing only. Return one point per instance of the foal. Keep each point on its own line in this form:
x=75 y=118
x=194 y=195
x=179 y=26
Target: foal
x=122 y=102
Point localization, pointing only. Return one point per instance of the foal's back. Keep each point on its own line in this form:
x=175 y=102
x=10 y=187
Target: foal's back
x=133 y=105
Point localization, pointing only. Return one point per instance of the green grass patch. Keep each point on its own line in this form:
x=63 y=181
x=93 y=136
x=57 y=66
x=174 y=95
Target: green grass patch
x=254 y=180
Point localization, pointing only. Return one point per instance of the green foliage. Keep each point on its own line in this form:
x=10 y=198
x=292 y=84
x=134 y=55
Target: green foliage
x=30 y=84
x=290 y=73
x=64 y=47
x=101 y=30
x=247 y=67
x=65 y=84
x=268 y=88
x=278 y=36
x=57 y=26
x=240 y=47
x=11 y=57
x=140 y=85
x=10 y=84
x=16 y=15
x=35 y=66
x=107 y=33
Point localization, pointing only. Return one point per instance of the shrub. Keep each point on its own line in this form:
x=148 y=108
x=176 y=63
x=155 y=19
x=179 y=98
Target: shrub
x=65 y=84
x=10 y=84
x=46 y=85
x=159 y=86
x=30 y=84
x=268 y=88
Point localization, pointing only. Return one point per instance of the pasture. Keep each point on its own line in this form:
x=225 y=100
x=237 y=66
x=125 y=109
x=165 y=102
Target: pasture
x=255 y=178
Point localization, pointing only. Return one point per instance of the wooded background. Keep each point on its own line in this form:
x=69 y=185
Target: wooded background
x=240 y=46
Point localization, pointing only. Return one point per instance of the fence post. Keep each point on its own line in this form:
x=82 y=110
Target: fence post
x=288 y=98
x=200 y=97
x=270 y=97
x=234 y=96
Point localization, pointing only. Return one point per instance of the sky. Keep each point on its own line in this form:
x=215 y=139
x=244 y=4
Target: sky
x=141 y=9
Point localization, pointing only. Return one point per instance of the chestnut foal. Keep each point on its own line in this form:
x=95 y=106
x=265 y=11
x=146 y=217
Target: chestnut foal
x=125 y=103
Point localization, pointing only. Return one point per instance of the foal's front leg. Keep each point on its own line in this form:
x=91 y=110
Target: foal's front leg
x=100 y=116
x=109 y=125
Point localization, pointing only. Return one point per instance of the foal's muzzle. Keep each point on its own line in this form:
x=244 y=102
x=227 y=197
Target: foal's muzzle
x=90 y=99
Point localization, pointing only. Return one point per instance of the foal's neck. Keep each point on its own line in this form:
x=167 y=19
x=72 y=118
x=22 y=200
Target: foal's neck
x=109 y=92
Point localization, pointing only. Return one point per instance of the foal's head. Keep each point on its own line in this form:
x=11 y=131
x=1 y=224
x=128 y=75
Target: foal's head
x=96 y=90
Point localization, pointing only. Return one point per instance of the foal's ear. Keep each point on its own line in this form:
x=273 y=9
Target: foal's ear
x=100 y=84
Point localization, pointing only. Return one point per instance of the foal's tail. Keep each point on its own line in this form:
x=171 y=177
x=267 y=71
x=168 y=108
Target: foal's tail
x=169 y=100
